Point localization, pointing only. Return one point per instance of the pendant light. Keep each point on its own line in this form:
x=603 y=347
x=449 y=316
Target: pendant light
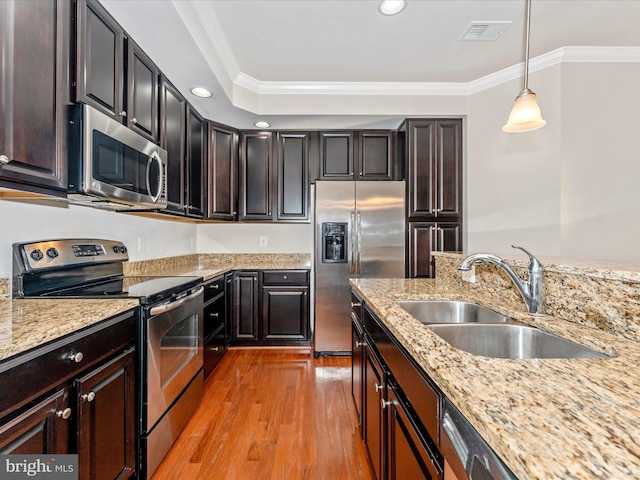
x=525 y=115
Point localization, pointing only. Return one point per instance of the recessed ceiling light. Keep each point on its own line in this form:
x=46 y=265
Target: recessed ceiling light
x=391 y=7
x=201 y=92
x=262 y=124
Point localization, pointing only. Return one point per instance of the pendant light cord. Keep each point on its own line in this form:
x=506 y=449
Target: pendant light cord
x=526 y=49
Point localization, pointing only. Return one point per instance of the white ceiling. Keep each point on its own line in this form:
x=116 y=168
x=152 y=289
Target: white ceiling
x=246 y=49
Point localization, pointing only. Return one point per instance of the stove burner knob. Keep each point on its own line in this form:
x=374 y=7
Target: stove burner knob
x=36 y=255
x=123 y=249
x=116 y=249
x=52 y=253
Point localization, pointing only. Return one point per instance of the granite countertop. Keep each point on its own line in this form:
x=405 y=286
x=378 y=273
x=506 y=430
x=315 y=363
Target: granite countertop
x=547 y=419
x=26 y=324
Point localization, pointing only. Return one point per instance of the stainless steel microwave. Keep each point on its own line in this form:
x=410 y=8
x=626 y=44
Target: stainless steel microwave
x=112 y=166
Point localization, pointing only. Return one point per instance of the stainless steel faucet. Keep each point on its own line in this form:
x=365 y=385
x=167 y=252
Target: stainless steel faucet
x=531 y=290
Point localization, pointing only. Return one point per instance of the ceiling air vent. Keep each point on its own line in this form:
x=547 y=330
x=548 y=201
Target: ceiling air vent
x=484 y=31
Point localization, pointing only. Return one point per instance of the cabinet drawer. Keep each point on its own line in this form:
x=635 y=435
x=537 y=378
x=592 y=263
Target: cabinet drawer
x=285 y=277
x=213 y=316
x=213 y=288
x=24 y=378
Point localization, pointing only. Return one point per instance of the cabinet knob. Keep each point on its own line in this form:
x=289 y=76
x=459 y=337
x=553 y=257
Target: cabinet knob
x=378 y=387
x=76 y=357
x=361 y=344
x=215 y=286
x=134 y=120
x=353 y=305
x=385 y=403
x=4 y=159
x=89 y=397
x=215 y=314
x=215 y=349
x=64 y=414
x=285 y=277
x=123 y=113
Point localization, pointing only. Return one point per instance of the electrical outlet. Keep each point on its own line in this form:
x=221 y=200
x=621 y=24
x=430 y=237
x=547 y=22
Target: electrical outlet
x=141 y=244
x=264 y=241
x=469 y=275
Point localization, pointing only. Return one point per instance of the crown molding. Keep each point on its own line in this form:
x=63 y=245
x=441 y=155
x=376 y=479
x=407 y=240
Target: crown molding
x=555 y=57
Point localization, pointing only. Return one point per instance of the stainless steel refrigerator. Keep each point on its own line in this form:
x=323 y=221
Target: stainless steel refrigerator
x=359 y=232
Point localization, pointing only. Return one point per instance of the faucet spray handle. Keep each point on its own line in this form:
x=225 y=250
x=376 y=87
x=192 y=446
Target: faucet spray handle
x=534 y=263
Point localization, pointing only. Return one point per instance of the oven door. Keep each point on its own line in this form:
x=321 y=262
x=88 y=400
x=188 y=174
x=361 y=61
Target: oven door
x=173 y=352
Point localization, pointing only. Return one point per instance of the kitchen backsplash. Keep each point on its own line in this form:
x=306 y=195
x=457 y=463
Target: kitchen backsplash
x=604 y=298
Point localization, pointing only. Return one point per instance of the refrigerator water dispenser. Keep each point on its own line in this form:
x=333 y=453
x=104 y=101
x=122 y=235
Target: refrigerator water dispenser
x=334 y=242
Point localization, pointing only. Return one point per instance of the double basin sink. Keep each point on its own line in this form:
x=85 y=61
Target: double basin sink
x=482 y=331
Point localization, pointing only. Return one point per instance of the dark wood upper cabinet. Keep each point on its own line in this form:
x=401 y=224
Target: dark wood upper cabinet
x=337 y=155
x=113 y=73
x=376 y=158
x=256 y=150
x=223 y=161
x=434 y=167
x=195 y=164
x=172 y=139
x=100 y=59
x=293 y=176
x=142 y=92
x=35 y=41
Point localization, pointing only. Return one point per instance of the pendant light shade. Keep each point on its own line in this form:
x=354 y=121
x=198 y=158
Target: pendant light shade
x=525 y=115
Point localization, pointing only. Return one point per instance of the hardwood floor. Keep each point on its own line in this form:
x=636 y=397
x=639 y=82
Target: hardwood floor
x=272 y=414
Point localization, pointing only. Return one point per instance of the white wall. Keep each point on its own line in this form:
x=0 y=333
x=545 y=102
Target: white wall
x=25 y=222
x=570 y=188
x=245 y=238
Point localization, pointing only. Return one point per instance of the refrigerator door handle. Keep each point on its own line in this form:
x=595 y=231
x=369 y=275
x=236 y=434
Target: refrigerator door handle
x=352 y=243
x=359 y=240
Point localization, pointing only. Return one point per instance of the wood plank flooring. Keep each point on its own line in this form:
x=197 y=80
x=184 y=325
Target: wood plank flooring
x=272 y=414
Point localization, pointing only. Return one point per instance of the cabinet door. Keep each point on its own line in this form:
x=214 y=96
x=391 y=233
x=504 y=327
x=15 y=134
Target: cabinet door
x=106 y=420
x=407 y=455
x=223 y=161
x=293 y=176
x=357 y=364
x=34 y=38
x=374 y=394
x=448 y=200
x=337 y=156
x=196 y=165
x=285 y=314
x=427 y=237
x=172 y=139
x=255 y=176
x=376 y=155
x=142 y=101
x=434 y=168
x=245 y=307
x=100 y=63
x=40 y=430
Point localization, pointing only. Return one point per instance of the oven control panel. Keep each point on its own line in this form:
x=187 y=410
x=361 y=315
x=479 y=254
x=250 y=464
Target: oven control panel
x=67 y=252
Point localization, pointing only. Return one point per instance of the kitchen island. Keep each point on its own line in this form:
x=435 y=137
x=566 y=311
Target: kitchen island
x=546 y=419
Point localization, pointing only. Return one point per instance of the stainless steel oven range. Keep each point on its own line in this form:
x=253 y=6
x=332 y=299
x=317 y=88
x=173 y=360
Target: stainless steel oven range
x=170 y=356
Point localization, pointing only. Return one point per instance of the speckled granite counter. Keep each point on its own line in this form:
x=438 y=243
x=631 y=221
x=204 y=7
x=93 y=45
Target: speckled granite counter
x=547 y=419
x=26 y=324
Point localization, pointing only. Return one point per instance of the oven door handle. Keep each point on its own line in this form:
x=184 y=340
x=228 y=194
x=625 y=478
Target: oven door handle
x=173 y=305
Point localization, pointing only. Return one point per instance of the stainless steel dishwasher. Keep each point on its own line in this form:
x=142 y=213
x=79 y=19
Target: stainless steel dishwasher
x=467 y=453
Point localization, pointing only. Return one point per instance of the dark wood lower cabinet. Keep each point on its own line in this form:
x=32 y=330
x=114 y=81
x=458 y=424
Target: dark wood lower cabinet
x=285 y=314
x=41 y=429
x=106 y=425
x=245 y=307
x=357 y=364
x=373 y=420
x=407 y=456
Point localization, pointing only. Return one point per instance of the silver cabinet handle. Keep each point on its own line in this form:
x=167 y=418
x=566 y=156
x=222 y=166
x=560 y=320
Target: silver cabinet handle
x=378 y=387
x=361 y=344
x=353 y=305
x=89 y=397
x=4 y=159
x=285 y=277
x=214 y=315
x=385 y=403
x=134 y=120
x=215 y=349
x=76 y=357
x=123 y=113
x=215 y=286
x=64 y=414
